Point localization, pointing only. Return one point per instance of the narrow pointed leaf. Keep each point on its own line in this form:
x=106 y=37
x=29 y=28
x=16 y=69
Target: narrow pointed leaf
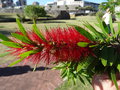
x=16 y=62
x=93 y=30
x=113 y=77
x=11 y=44
x=102 y=27
x=28 y=53
x=3 y=37
x=4 y=54
x=118 y=31
x=22 y=29
x=81 y=79
x=37 y=31
x=82 y=44
x=111 y=26
x=84 y=32
x=22 y=38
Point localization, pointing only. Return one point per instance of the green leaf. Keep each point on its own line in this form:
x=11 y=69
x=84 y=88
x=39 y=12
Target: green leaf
x=108 y=56
x=82 y=44
x=3 y=37
x=84 y=32
x=91 y=46
x=37 y=31
x=117 y=33
x=16 y=62
x=85 y=63
x=118 y=67
x=104 y=56
x=64 y=73
x=104 y=62
x=22 y=38
x=22 y=29
x=11 y=44
x=28 y=53
x=113 y=77
x=111 y=26
x=4 y=54
x=81 y=79
x=94 y=31
x=105 y=32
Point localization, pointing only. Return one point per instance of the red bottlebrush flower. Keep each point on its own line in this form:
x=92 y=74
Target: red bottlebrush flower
x=60 y=45
x=64 y=44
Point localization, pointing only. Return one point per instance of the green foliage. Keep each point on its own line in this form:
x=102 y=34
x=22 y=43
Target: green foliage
x=21 y=17
x=109 y=4
x=37 y=31
x=34 y=12
x=82 y=44
x=100 y=14
x=11 y=44
x=21 y=38
x=106 y=49
x=3 y=37
x=16 y=62
x=21 y=27
x=83 y=32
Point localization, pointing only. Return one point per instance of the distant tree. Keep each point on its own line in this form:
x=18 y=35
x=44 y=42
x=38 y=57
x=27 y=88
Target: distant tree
x=76 y=8
x=89 y=8
x=58 y=7
x=50 y=7
x=66 y=6
x=34 y=12
x=109 y=4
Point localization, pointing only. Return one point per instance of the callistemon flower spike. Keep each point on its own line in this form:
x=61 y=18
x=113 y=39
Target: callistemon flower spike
x=64 y=44
x=60 y=45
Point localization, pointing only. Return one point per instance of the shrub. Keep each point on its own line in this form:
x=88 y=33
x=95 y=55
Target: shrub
x=100 y=14
x=21 y=17
x=92 y=14
x=34 y=12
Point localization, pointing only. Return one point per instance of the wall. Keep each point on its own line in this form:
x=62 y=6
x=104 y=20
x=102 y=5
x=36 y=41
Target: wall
x=2 y=10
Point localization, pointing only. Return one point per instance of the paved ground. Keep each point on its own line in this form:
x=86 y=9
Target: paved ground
x=23 y=78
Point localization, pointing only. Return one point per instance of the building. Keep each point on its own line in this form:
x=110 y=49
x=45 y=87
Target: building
x=71 y=4
x=35 y=3
x=6 y=3
x=21 y=2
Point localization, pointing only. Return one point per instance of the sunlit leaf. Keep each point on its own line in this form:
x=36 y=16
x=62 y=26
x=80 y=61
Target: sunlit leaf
x=82 y=44
x=113 y=77
x=16 y=62
x=22 y=38
x=25 y=54
x=3 y=37
x=11 y=44
x=84 y=32
x=37 y=31
x=21 y=28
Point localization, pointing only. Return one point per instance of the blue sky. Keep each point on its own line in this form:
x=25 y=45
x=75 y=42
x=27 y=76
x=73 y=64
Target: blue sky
x=43 y=2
